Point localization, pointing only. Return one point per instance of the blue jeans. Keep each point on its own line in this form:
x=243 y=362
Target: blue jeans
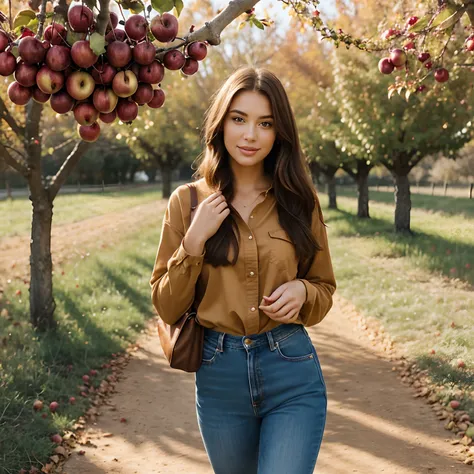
x=261 y=402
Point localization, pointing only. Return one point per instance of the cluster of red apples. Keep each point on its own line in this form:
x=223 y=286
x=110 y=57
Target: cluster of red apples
x=398 y=57
x=73 y=78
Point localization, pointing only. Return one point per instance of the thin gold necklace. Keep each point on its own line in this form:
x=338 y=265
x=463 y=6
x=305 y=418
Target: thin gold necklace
x=246 y=205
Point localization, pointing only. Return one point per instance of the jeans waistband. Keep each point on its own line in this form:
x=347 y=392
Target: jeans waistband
x=240 y=342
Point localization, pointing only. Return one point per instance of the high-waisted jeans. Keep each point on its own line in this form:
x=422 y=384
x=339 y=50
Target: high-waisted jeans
x=261 y=402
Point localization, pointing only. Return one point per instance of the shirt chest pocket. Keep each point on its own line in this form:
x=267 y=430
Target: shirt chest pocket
x=281 y=251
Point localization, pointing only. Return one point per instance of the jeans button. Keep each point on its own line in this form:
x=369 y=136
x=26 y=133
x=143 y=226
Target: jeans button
x=248 y=341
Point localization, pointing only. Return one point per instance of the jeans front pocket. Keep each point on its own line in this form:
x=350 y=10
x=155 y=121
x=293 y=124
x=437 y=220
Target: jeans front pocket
x=210 y=351
x=295 y=347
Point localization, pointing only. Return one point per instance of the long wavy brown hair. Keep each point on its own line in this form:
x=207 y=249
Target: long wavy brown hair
x=285 y=165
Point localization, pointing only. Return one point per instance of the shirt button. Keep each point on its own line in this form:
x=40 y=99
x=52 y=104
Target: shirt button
x=252 y=308
x=252 y=274
x=250 y=237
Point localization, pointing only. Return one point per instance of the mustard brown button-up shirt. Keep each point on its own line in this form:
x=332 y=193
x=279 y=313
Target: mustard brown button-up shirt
x=227 y=298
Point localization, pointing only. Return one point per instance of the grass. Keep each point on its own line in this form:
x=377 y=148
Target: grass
x=103 y=303
x=402 y=281
x=16 y=214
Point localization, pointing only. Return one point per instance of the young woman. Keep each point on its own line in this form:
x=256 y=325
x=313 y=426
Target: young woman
x=255 y=261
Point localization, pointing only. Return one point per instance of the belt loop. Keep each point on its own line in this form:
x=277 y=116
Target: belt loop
x=220 y=342
x=270 y=340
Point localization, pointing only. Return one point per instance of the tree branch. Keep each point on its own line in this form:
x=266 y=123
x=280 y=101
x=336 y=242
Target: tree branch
x=103 y=17
x=5 y=115
x=41 y=18
x=61 y=9
x=22 y=168
x=66 y=168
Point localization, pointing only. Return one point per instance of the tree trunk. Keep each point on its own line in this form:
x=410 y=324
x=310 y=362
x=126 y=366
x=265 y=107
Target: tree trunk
x=151 y=173
x=363 y=191
x=402 y=204
x=332 y=191
x=166 y=180
x=42 y=303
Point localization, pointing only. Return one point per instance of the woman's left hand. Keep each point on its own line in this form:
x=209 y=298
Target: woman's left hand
x=285 y=303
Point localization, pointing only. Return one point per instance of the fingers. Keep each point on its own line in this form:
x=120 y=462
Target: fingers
x=213 y=197
x=220 y=207
x=276 y=306
x=284 y=312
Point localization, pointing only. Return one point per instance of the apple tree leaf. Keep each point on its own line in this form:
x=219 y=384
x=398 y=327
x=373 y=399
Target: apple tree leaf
x=162 y=6
x=97 y=42
x=32 y=25
x=444 y=14
x=452 y=20
x=257 y=23
x=23 y=18
x=178 y=5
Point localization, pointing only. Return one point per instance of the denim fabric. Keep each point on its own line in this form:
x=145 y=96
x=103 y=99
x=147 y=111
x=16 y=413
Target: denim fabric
x=261 y=402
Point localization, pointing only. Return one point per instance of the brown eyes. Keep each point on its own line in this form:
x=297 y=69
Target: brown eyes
x=265 y=124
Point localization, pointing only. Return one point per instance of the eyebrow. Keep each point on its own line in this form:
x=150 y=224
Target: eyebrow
x=246 y=115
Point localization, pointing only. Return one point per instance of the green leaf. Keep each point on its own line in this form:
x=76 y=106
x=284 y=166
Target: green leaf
x=421 y=24
x=258 y=23
x=452 y=20
x=444 y=14
x=137 y=8
x=132 y=5
x=179 y=5
x=23 y=18
x=162 y=6
x=73 y=37
x=32 y=25
x=97 y=42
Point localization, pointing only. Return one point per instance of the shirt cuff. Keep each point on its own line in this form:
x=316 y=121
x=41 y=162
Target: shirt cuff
x=182 y=256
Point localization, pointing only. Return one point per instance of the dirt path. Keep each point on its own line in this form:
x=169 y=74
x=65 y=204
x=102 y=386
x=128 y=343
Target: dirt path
x=374 y=424
x=73 y=240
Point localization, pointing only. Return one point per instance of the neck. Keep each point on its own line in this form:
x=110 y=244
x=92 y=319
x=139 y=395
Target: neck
x=249 y=179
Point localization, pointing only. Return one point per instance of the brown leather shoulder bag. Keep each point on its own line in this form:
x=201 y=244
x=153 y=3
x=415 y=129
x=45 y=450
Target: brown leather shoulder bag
x=182 y=342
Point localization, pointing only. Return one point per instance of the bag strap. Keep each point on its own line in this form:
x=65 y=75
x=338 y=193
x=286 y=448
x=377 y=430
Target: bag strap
x=194 y=199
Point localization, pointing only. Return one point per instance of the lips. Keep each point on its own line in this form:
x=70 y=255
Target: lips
x=248 y=148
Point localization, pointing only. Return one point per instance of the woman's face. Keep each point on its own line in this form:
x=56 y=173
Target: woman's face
x=249 y=131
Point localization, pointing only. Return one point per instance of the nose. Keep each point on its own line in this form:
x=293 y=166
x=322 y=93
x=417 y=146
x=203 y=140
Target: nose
x=250 y=133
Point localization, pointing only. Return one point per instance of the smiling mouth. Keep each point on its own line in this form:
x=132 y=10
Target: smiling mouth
x=248 y=149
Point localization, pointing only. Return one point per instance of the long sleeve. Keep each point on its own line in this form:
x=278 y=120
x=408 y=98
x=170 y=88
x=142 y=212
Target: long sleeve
x=175 y=271
x=320 y=282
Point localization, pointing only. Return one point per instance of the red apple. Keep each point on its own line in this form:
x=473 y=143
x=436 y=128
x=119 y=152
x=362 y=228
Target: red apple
x=103 y=74
x=80 y=85
x=144 y=53
x=398 y=57
x=470 y=44
x=136 y=27
x=25 y=74
x=422 y=57
x=49 y=81
x=58 y=58
x=105 y=100
x=152 y=74
x=80 y=18
x=119 y=53
x=93 y=372
x=441 y=75
x=454 y=404
x=56 y=34
x=72 y=400
x=125 y=84
x=89 y=134
x=144 y=94
x=108 y=118
x=18 y=94
x=31 y=50
x=62 y=102
x=127 y=110
x=7 y=64
x=174 y=60
x=460 y=363
x=428 y=65
x=38 y=405
x=386 y=66
x=39 y=96
x=197 y=50
x=3 y=41
x=53 y=406
x=190 y=67
x=115 y=35
x=412 y=20
x=82 y=54
x=164 y=27
x=56 y=438
x=85 y=113
x=85 y=378
x=409 y=45
x=158 y=99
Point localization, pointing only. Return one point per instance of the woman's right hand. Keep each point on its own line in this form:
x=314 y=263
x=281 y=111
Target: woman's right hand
x=209 y=216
